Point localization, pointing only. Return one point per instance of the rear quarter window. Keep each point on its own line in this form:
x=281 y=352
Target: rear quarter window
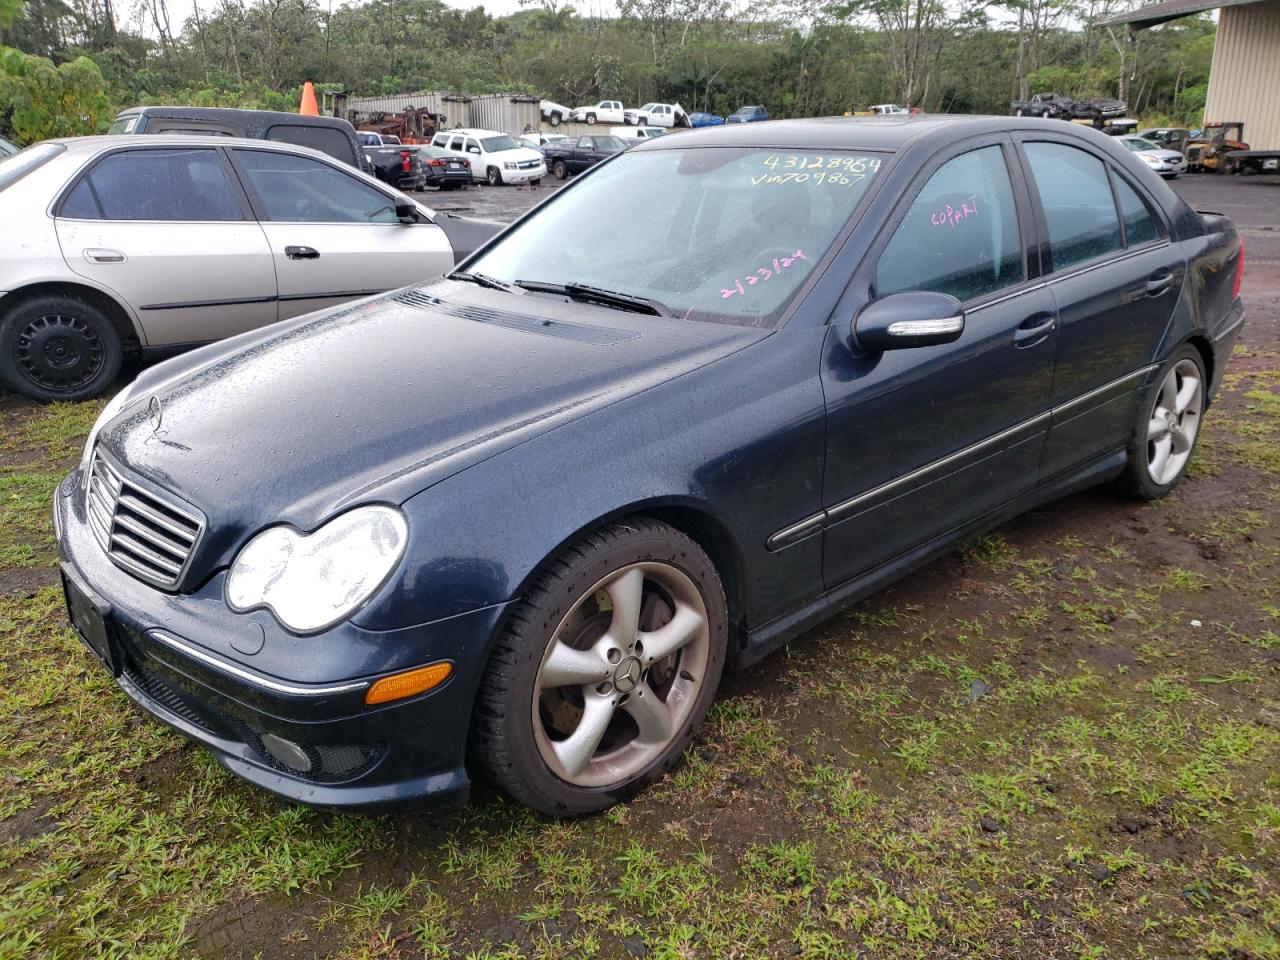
x=325 y=139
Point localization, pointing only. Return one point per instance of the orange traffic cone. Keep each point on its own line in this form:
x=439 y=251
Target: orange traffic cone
x=308 y=107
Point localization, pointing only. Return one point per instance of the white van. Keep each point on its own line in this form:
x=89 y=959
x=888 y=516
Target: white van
x=495 y=157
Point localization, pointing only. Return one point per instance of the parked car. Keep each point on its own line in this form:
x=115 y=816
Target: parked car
x=554 y=113
x=701 y=119
x=536 y=141
x=8 y=148
x=748 y=115
x=1171 y=137
x=495 y=157
x=606 y=111
x=329 y=135
x=1065 y=108
x=636 y=134
x=444 y=169
x=657 y=115
x=111 y=245
x=574 y=156
x=524 y=516
x=1167 y=163
x=391 y=163
x=888 y=109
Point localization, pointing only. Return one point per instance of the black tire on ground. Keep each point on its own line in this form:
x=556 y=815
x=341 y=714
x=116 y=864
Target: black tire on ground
x=495 y=177
x=503 y=742
x=1136 y=481
x=58 y=347
x=560 y=170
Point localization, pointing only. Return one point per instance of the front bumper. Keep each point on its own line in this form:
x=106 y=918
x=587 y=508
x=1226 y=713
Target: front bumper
x=183 y=658
x=524 y=176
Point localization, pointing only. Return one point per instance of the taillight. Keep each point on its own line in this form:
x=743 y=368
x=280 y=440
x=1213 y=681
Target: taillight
x=438 y=163
x=405 y=166
x=1235 y=289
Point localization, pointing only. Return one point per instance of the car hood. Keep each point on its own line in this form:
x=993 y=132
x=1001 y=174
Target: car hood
x=518 y=154
x=377 y=400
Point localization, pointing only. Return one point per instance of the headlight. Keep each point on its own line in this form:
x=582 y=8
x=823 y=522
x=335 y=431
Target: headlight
x=1151 y=161
x=510 y=164
x=113 y=407
x=312 y=581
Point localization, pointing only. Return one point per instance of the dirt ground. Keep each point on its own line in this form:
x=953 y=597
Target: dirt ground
x=1061 y=741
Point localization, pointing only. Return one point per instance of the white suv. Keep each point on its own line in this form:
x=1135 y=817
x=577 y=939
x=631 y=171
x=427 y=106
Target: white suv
x=494 y=156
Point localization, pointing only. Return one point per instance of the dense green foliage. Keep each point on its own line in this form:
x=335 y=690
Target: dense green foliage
x=797 y=59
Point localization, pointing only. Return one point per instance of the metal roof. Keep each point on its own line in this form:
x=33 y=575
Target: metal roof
x=1156 y=13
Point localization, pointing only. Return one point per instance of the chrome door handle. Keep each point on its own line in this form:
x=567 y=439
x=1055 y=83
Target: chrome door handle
x=1159 y=283
x=302 y=253
x=1033 y=330
x=100 y=255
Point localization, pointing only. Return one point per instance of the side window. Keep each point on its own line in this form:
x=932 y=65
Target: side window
x=1078 y=207
x=184 y=184
x=585 y=143
x=1139 y=224
x=456 y=144
x=960 y=234
x=301 y=190
x=328 y=140
x=472 y=146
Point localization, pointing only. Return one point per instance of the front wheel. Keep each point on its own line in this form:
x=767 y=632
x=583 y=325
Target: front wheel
x=604 y=671
x=560 y=170
x=57 y=347
x=495 y=177
x=1168 y=424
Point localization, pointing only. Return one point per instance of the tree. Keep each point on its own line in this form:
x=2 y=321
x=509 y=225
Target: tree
x=42 y=100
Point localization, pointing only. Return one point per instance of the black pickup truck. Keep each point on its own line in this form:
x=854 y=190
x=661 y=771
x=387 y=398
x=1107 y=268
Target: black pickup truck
x=393 y=163
x=573 y=156
x=1065 y=108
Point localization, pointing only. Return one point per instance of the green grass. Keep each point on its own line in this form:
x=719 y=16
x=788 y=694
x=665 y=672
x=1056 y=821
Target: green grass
x=1025 y=750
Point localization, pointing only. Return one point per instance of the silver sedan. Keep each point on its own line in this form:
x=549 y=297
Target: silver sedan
x=1167 y=163
x=111 y=244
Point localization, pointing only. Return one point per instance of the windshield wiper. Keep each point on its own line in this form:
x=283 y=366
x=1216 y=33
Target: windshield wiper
x=608 y=298
x=484 y=280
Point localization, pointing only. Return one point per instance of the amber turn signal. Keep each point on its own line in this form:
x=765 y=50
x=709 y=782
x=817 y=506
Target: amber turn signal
x=408 y=684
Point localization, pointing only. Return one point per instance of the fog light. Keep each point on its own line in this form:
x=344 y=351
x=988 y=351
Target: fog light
x=407 y=684
x=287 y=752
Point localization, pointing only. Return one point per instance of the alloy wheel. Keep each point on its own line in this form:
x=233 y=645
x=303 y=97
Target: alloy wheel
x=59 y=352
x=621 y=674
x=1174 y=422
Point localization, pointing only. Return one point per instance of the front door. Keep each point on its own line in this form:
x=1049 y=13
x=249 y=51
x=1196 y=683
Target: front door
x=333 y=235
x=170 y=231
x=921 y=440
x=1115 y=280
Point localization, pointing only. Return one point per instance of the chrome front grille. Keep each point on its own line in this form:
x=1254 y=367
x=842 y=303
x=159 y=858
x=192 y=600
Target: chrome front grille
x=147 y=534
x=529 y=164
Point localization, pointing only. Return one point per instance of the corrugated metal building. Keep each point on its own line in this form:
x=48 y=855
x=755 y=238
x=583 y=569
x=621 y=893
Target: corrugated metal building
x=513 y=113
x=1244 y=78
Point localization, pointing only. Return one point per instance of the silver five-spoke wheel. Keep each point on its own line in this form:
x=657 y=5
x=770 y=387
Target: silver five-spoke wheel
x=621 y=674
x=1175 y=421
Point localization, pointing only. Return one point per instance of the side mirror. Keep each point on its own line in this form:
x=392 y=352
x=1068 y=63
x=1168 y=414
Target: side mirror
x=406 y=212
x=916 y=318
x=475 y=150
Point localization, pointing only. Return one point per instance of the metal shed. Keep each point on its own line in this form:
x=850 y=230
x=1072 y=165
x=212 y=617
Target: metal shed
x=1244 y=77
x=512 y=113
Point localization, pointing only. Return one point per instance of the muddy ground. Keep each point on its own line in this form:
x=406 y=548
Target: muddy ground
x=1061 y=741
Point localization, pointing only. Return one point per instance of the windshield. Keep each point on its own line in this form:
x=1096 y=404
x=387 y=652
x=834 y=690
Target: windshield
x=14 y=168
x=494 y=144
x=1139 y=146
x=736 y=235
x=123 y=124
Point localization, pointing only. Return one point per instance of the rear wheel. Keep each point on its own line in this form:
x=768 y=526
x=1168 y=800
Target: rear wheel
x=1168 y=424
x=556 y=119
x=495 y=177
x=58 y=347
x=560 y=170
x=591 y=119
x=605 y=670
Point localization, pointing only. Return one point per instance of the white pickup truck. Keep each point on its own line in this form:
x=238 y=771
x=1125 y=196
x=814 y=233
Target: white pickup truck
x=606 y=111
x=658 y=115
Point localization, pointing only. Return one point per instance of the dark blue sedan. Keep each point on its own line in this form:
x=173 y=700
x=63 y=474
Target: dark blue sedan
x=518 y=521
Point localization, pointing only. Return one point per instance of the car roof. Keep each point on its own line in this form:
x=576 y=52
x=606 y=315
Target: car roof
x=887 y=132
x=475 y=132
x=98 y=143
x=232 y=114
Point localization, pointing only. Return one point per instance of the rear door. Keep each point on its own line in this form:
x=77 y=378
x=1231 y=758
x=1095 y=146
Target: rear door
x=920 y=441
x=1115 y=280
x=333 y=236
x=171 y=232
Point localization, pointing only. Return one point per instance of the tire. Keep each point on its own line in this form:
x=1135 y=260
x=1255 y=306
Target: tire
x=560 y=170
x=1046 y=115
x=58 y=347
x=1018 y=112
x=556 y=119
x=539 y=739
x=1172 y=412
x=494 y=177
x=591 y=119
